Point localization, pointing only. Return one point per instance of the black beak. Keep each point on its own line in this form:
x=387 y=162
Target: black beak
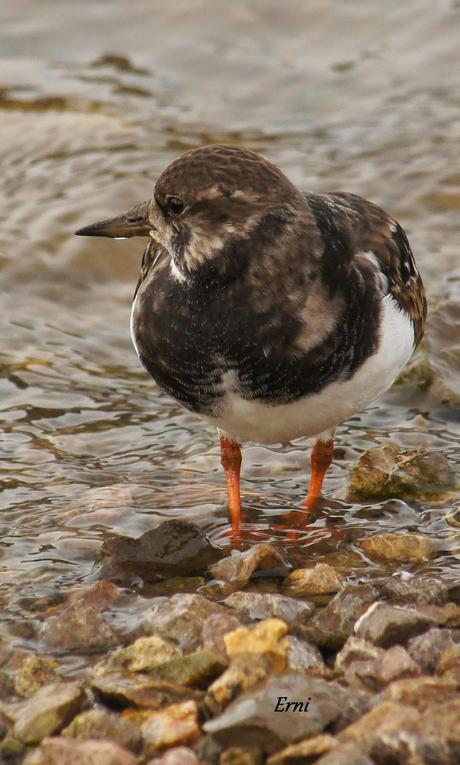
x=135 y=222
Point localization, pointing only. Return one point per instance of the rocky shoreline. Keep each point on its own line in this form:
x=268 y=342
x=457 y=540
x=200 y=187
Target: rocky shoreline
x=250 y=661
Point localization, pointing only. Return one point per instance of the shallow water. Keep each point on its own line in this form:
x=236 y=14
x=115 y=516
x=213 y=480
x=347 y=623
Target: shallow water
x=95 y=100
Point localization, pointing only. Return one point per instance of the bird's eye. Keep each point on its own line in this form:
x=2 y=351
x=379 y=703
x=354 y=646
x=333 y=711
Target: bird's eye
x=174 y=205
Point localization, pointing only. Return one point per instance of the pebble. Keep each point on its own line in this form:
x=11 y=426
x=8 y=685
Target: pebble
x=404 y=548
x=62 y=751
x=262 y=605
x=427 y=649
x=331 y=626
x=390 y=471
x=239 y=567
x=385 y=625
x=303 y=750
x=178 y=755
x=175 y=724
x=215 y=627
x=319 y=580
x=34 y=672
x=180 y=618
x=47 y=711
x=101 y=724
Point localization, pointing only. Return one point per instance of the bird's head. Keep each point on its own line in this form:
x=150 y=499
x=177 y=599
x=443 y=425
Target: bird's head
x=206 y=208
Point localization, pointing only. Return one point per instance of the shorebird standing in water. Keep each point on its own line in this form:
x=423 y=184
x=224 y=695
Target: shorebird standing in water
x=271 y=313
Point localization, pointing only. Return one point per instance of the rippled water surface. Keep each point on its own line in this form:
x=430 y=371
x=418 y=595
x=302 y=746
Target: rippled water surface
x=95 y=100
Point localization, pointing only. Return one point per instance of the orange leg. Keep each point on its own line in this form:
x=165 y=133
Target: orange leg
x=230 y=455
x=321 y=458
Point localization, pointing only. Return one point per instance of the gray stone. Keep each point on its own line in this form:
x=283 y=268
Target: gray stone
x=63 y=751
x=252 y=719
x=262 y=605
x=215 y=627
x=389 y=471
x=303 y=656
x=333 y=624
x=239 y=567
x=386 y=625
x=181 y=618
x=101 y=724
x=47 y=711
x=174 y=548
x=427 y=649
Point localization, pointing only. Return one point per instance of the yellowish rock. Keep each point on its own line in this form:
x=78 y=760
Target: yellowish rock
x=405 y=548
x=265 y=637
x=244 y=673
x=176 y=724
x=34 y=672
x=149 y=652
x=310 y=748
x=319 y=580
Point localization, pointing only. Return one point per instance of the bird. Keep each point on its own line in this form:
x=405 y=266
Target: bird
x=270 y=312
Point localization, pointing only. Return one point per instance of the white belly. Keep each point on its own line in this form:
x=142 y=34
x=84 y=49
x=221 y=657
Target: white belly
x=255 y=421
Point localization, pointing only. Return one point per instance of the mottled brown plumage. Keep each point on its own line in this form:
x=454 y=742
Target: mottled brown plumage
x=271 y=312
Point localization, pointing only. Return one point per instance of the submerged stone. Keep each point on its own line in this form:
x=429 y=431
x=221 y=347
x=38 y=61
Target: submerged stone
x=174 y=548
x=389 y=471
x=404 y=548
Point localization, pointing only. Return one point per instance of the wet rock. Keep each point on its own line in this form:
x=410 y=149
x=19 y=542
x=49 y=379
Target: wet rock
x=34 y=672
x=122 y=689
x=174 y=548
x=405 y=548
x=214 y=629
x=331 y=626
x=427 y=649
x=47 y=711
x=176 y=724
x=181 y=618
x=304 y=751
x=80 y=625
x=303 y=656
x=418 y=590
x=383 y=718
x=101 y=724
x=62 y=751
x=194 y=669
x=319 y=580
x=356 y=649
x=263 y=605
x=239 y=567
x=386 y=625
x=179 y=755
x=239 y=756
x=252 y=719
x=420 y=692
x=389 y=471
